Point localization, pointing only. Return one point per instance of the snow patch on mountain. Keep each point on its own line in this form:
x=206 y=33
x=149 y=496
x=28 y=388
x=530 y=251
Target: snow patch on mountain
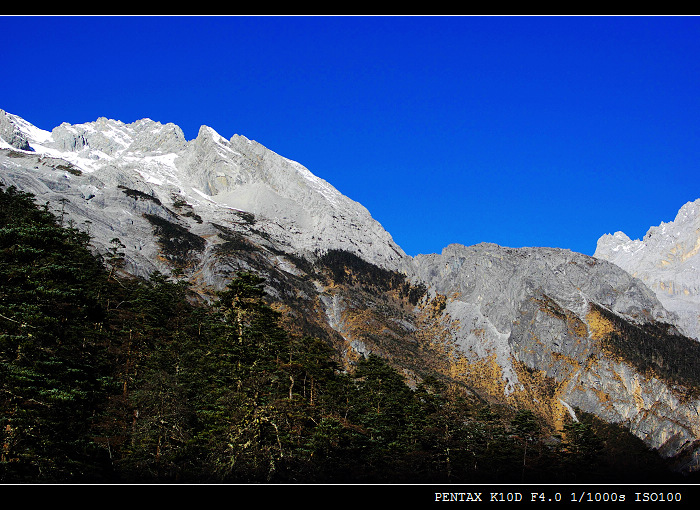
x=297 y=209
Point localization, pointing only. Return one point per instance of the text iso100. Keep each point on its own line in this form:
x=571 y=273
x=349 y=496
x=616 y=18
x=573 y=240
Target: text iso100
x=657 y=496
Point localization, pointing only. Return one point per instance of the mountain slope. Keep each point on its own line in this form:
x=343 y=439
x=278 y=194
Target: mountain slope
x=667 y=260
x=536 y=328
x=544 y=323
x=88 y=164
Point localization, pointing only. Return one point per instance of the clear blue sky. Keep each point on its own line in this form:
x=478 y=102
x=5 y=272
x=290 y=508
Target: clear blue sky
x=523 y=131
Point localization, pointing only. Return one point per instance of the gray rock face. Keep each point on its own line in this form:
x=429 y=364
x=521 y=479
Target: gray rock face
x=667 y=260
x=214 y=177
x=488 y=286
x=536 y=307
x=501 y=278
x=301 y=210
x=10 y=133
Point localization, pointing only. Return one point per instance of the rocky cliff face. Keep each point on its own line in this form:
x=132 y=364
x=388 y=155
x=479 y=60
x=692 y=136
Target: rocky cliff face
x=667 y=260
x=539 y=326
x=111 y=174
x=490 y=288
x=546 y=329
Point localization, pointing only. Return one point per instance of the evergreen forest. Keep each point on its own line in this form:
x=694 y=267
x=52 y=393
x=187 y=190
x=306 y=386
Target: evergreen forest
x=107 y=378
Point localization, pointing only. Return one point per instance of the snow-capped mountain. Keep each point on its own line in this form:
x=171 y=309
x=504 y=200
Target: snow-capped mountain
x=533 y=327
x=667 y=260
x=88 y=164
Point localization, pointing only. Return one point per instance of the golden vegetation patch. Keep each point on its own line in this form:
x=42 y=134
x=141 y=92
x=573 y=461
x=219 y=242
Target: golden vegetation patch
x=541 y=394
x=598 y=325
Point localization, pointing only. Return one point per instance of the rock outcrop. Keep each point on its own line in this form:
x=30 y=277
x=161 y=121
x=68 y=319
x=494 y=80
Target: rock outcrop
x=667 y=260
x=544 y=318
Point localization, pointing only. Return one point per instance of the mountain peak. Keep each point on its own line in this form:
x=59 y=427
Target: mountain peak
x=210 y=133
x=302 y=211
x=667 y=260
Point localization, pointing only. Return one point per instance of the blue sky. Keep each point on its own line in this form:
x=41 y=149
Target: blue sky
x=523 y=131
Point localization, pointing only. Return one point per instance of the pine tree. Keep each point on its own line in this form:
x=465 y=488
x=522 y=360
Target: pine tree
x=52 y=373
x=240 y=424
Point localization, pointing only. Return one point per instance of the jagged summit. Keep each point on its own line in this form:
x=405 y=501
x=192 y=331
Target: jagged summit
x=298 y=210
x=667 y=260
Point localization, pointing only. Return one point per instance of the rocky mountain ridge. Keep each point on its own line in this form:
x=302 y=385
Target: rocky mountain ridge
x=540 y=328
x=219 y=178
x=667 y=260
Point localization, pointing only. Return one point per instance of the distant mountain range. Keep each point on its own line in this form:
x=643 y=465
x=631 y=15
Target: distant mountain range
x=544 y=329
